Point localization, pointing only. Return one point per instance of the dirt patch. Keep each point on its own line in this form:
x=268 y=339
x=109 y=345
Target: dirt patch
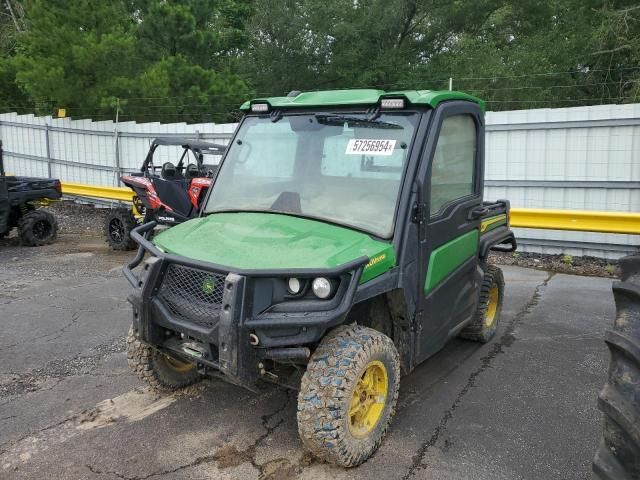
x=587 y=266
x=132 y=406
x=280 y=468
x=229 y=456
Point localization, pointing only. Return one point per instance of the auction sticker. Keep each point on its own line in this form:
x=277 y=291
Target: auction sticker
x=360 y=146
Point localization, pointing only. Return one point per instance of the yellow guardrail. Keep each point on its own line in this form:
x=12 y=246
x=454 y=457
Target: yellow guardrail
x=577 y=220
x=95 y=191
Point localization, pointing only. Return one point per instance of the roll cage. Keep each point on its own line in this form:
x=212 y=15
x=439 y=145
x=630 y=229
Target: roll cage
x=196 y=147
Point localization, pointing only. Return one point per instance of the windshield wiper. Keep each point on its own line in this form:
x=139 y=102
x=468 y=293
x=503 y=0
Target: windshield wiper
x=328 y=119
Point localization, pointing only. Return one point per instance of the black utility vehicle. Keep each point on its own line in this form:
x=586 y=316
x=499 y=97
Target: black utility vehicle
x=345 y=239
x=20 y=199
x=167 y=194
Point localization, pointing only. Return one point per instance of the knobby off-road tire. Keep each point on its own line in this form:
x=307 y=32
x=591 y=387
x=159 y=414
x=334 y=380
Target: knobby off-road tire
x=163 y=373
x=487 y=317
x=117 y=229
x=618 y=456
x=336 y=371
x=37 y=228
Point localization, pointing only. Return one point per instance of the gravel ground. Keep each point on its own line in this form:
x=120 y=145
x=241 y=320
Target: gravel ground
x=587 y=266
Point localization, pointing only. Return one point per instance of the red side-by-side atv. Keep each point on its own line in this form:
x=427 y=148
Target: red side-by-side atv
x=169 y=193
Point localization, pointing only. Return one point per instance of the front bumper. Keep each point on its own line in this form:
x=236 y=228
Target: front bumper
x=214 y=314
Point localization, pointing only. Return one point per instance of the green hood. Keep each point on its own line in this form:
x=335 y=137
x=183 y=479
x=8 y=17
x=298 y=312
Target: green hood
x=269 y=241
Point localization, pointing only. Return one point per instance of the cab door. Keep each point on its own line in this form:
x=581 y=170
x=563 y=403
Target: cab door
x=451 y=174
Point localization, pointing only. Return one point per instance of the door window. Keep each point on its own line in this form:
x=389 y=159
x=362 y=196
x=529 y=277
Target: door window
x=453 y=169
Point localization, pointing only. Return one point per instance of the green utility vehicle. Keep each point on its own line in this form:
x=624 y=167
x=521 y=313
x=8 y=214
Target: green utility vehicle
x=345 y=237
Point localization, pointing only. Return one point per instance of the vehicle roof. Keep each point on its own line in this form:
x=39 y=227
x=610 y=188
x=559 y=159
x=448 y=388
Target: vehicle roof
x=185 y=142
x=334 y=98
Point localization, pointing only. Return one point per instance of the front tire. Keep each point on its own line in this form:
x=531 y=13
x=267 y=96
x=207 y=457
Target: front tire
x=117 y=229
x=37 y=228
x=485 y=322
x=162 y=372
x=348 y=395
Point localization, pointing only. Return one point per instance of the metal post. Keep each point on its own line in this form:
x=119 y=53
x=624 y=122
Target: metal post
x=450 y=83
x=117 y=144
x=118 y=169
x=46 y=137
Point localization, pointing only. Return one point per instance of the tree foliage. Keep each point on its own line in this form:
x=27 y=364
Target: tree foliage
x=196 y=60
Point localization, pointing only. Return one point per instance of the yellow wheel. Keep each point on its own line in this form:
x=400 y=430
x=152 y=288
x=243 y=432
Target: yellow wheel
x=368 y=399
x=485 y=322
x=492 y=305
x=348 y=395
x=161 y=371
x=176 y=364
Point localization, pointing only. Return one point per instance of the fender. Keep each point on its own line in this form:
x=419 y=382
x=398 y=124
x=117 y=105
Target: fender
x=148 y=188
x=502 y=236
x=198 y=185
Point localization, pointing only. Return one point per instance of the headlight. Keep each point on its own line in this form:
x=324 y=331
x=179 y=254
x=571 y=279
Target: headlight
x=321 y=287
x=294 y=285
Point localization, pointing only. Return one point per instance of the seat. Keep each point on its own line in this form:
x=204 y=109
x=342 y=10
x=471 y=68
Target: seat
x=174 y=194
x=168 y=171
x=192 y=171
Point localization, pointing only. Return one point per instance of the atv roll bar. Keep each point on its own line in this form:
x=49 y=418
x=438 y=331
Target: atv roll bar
x=140 y=234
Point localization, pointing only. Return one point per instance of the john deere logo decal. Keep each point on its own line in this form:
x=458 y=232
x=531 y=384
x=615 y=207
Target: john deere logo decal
x=208 y=286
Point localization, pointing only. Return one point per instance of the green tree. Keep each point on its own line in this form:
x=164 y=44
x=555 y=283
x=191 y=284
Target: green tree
x=76 y=53
x=163 y=60
x=196 y=60
x=12 y=97
x=514 y=53
x=191 y=48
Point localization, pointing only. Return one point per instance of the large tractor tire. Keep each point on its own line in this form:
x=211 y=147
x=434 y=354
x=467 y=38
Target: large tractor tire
x=618 y=456
x=348 y=395
x=37 y=228
x=117 y=229
x=485 y=322
x=163 y=373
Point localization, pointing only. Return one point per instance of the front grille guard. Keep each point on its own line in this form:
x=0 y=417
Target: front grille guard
x=192 y=294
x=235 y=355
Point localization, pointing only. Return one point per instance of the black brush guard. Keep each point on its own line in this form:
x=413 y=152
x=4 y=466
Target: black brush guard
x=210 y=307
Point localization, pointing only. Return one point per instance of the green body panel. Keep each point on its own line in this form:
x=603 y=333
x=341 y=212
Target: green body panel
x=338 y=98
x=490 y=223
x=268 y=241
x=446 y=258
x=378 y=264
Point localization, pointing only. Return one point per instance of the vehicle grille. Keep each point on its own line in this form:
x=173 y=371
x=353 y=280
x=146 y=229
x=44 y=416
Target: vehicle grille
x=192 y=295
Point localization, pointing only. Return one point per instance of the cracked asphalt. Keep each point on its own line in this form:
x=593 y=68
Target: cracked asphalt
x=520 y=407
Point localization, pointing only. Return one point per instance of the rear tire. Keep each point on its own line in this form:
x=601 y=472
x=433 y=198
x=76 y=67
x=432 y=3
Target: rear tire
x=37 y=228
x=485 y=321
x=117 y=229
x=162 y=372
x=348 y=395
x=618 y=456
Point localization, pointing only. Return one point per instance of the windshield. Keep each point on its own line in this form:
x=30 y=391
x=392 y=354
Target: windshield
x=345 y=169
